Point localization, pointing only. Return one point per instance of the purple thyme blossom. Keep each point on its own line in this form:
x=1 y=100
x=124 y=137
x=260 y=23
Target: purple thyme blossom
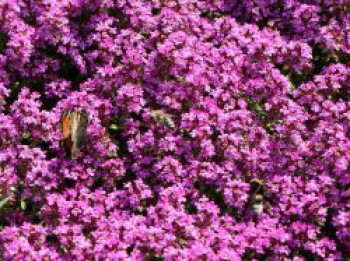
x=255 y=89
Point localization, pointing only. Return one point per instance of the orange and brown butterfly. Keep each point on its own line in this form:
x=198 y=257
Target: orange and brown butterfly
x=74 y=125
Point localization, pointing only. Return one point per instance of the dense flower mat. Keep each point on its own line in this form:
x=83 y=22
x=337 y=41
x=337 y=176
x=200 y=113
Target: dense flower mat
x=249 y=89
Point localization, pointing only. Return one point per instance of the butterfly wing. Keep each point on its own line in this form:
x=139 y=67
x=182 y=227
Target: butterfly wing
x=65 y=123
x=82 y=129
x=79 y=123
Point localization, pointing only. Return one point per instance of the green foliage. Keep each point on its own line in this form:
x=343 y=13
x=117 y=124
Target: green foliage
x=23 y=204
x=3 y=41
x=4 y=202
x=212 y=14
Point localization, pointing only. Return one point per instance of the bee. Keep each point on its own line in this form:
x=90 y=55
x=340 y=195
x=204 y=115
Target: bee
x=165 y=118
x=74 y=124
x=258 y=204
x=256 y=201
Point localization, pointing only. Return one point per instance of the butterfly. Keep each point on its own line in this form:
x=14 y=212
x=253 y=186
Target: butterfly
x=74 y=124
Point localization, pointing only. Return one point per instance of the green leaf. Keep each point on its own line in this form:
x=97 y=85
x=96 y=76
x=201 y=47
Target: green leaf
x=115 y=127
x=285 y=68
x=141 y=208
x=180 y=79
x=23 y=205
x=15 y=85
x=145 y=36
x=63 y=249
x=292 y=86
x=112 y=154
x=4 y=202
x=25 y=135
x=321 y=224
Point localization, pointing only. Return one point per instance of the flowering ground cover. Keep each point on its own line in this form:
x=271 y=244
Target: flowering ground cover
x=188 y=102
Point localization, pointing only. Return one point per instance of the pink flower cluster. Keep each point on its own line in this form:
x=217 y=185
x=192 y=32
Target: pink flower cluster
x=256 y=89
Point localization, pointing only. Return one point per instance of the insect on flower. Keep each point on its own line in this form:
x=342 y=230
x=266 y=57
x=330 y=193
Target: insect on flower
x=165 y=118
x=258 y=204
x=256 y=196
x=73 y=126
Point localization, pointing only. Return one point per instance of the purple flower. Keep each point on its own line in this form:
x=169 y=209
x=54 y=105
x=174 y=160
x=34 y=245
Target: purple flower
x=247 y=90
